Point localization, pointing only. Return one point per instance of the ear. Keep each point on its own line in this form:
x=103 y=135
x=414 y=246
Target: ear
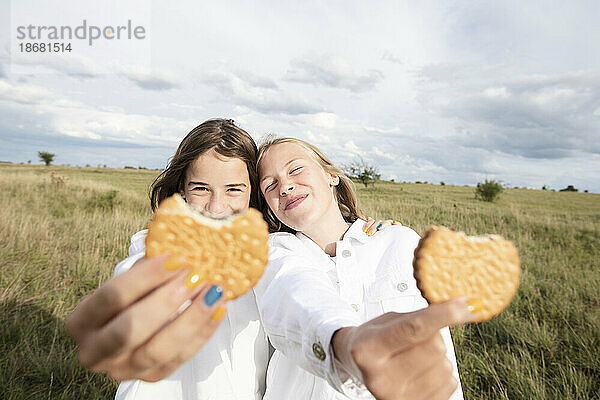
x=335 y=180
x=182 y=194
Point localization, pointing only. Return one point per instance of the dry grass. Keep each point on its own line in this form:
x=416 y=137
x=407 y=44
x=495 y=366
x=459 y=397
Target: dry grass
x=61 y=240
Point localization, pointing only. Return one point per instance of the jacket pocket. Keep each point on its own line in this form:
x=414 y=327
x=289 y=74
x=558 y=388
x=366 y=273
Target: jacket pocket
x=393 y=292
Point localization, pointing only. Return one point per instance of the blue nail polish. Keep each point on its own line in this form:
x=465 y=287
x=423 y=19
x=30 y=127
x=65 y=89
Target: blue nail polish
x=213 y=295
x=379 y=226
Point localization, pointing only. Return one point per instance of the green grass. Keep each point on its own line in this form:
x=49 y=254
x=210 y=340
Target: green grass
x=61 y=241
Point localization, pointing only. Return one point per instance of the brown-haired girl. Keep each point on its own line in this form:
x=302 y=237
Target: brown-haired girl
x=127 y=327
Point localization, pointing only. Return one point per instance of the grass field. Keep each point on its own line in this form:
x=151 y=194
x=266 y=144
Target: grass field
x=62 y=237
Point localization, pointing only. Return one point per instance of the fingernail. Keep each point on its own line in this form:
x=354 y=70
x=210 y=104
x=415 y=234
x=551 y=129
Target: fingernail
x=379 y=226
x=370 y=232
x=174 y=262
x=218 y=314
x=365 y=228
x=475 y=305
x=194 y=279
x=213 y=295
x=394 y=222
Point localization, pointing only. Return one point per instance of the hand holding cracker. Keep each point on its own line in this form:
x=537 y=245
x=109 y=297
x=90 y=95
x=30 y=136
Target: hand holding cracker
x=403 y=356
x=132 y=327
x=126 y=327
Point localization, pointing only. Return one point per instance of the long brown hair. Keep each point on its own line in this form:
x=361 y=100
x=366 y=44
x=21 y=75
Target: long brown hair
x=220 y=135
x=345 y=191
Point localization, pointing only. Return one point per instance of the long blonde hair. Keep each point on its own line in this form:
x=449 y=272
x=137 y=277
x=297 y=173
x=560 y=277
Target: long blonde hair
x=345 y=191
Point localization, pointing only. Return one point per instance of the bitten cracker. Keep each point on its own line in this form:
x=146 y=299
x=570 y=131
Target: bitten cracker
x=230 y=252
x=449 y=264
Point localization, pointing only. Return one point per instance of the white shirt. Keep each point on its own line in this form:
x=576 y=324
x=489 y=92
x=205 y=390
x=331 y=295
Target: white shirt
x=305 y=296
x=231 y=365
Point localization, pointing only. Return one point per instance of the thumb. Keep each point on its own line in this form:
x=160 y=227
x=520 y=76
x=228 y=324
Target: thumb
x=403 y=331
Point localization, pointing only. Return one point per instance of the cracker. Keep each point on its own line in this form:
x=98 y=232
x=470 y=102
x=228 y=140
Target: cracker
x=449 y=264
x=230 y=252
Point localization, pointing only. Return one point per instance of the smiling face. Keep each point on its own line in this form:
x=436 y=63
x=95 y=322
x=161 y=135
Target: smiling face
x=297 y=189
x=217 y=184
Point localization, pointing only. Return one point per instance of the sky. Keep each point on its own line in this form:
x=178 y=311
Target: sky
x=452 y=91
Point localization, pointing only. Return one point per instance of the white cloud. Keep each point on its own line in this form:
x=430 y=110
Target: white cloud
x=42 y=110
x=376 y=151
x=317 y=139
x=496 y=92
x=352 y=147
x=332 y=72
x=80 y=67
x=149 y=79
x=536 y=116
x=233 y=88
x=72 y=65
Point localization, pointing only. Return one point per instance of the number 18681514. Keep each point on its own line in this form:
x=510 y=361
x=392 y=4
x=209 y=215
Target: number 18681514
x=45 y=47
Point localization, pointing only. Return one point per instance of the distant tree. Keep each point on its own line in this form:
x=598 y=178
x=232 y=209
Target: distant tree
x=488 y=190
x=442 y=183
x=364 y=172
x=46 y=157
x=569 y=188
x=28 y=161
x=544 y=187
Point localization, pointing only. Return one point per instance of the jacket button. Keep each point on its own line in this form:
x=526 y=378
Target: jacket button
x=355 y=307
x=318 y=351
x=346 y=253
x=402 y=286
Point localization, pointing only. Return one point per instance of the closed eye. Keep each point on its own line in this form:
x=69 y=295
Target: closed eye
x=297 y=169
x=269 y=187
x=234 y=190
x=200 y=188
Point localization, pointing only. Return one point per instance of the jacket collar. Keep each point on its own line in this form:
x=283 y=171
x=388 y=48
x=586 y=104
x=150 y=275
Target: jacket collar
x=354 y=232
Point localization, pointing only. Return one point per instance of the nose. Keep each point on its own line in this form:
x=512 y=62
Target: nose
x=285 y=188
x=217 y=204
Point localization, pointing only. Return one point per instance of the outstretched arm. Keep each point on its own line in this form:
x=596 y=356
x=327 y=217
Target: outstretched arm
x=403 y=356
x=130 y=327
x=307 y=321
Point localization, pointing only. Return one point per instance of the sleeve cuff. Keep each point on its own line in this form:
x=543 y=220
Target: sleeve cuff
x=320 y=352
x=127 y=263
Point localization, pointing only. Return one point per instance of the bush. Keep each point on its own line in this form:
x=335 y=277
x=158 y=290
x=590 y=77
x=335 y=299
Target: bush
x=46 y=157
x=569 y=188
x=489 y=190
x=102 y=201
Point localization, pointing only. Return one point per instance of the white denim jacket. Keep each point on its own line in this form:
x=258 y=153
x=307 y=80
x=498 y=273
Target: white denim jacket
x=305 y=296
x=231 y=365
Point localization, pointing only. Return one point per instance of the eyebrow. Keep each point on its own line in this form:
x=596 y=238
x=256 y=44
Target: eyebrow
x=286 y=164
x=228 y=185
